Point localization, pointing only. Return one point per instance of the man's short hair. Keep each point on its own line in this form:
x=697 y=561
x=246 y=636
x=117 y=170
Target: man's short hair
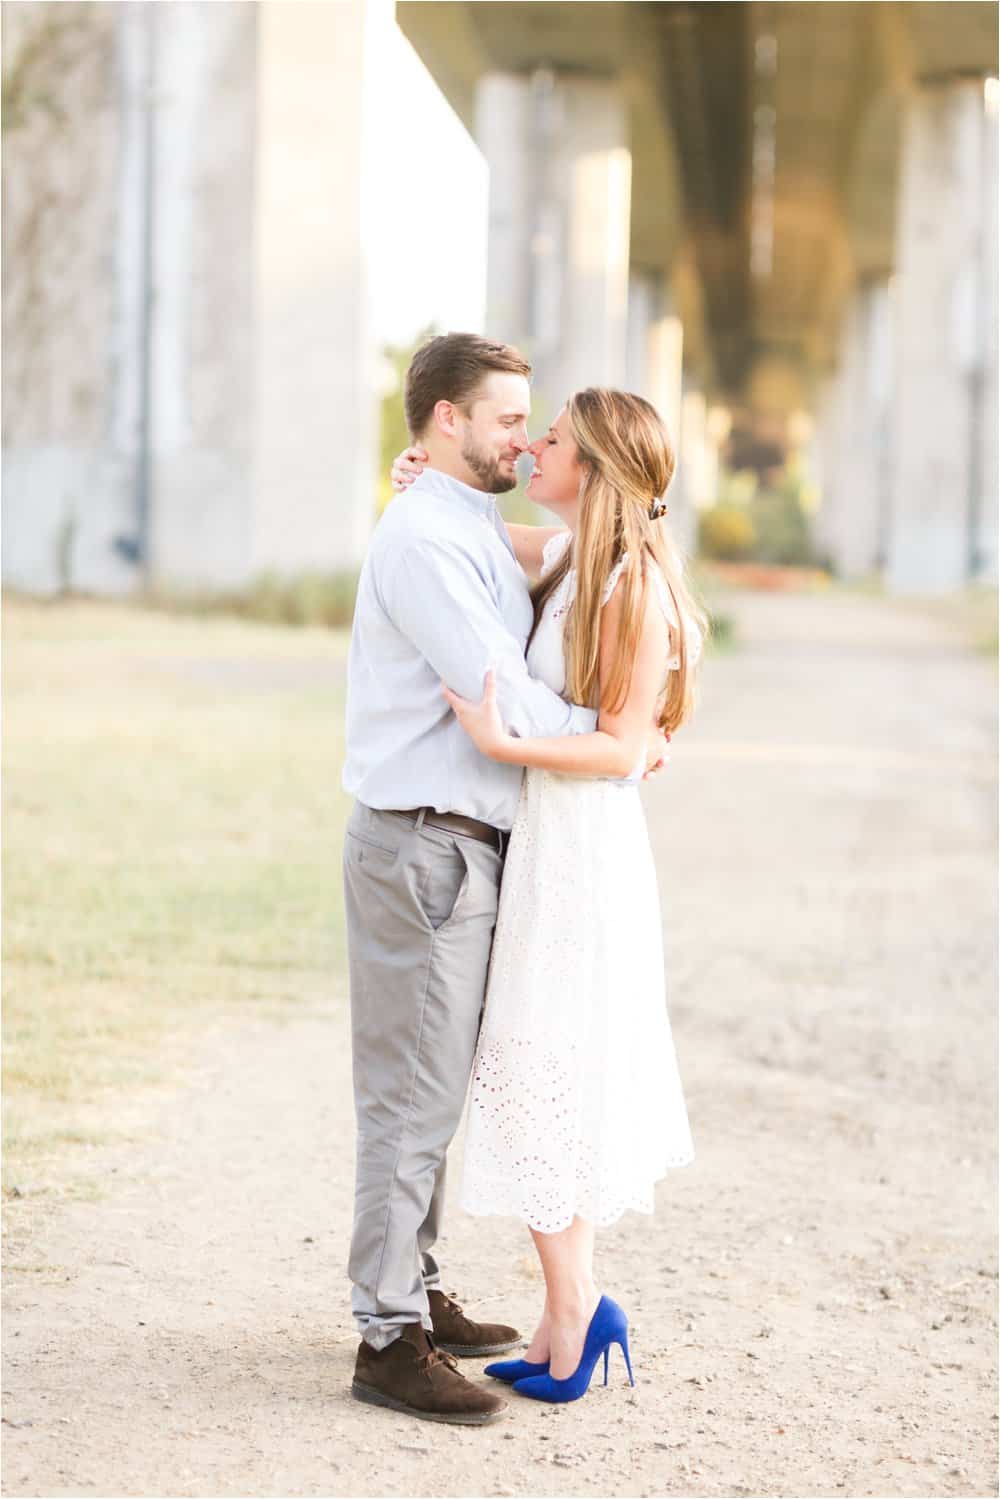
x=452 y=367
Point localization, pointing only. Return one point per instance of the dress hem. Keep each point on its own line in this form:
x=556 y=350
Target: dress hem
x=526 y=1218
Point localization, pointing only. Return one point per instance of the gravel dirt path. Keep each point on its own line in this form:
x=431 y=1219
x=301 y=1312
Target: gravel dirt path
x=813 y=1304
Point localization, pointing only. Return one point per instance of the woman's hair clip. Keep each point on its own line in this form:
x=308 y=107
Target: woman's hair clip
x=658 y=508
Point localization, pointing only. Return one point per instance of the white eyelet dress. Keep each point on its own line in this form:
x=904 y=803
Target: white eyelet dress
x=575 y=1105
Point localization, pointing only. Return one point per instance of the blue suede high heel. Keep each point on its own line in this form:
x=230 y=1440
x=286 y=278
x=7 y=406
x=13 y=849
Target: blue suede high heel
x=515 y=1368
x=608 y=1325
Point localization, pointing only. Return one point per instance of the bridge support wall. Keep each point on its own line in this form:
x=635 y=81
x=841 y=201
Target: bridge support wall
x=944 y=463
x=560 y=184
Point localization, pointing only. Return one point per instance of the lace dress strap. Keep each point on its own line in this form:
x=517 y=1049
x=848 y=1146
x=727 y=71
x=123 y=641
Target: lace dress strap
x=693 y=634
x=613 y=577
x=554 y=549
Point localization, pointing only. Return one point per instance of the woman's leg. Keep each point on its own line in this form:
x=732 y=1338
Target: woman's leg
x=570 y=1297
x=537 y=1351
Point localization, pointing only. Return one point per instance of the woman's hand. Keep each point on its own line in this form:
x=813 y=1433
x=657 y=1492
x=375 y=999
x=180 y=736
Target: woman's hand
x=408 y=466
x=482 y=721
x=657 y=751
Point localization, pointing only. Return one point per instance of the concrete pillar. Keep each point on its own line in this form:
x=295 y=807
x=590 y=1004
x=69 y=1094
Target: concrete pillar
x=313 y=374
x=70 y=296
x=944 y=345
x=188 y=392
x=560 y=183
x=139 y=468
x=654 y=348
x=202 y=329
x=645 y=298
x=654 y=362
x=824 y=450
x=987 y=475
x=854 y=530
x=693 y=489
x=503 y=116
x=881 y=385
x=129 y=454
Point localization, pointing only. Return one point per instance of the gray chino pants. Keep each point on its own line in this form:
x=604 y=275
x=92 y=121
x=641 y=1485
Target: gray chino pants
x=421 y=906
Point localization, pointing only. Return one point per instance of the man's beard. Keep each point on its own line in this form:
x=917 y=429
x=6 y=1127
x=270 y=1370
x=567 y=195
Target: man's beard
x=487 y=469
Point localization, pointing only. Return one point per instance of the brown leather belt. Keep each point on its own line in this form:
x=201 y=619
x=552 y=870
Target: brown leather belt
x=455 y=822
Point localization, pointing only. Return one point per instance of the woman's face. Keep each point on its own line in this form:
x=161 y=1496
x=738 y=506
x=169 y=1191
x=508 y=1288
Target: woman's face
x=558 y=473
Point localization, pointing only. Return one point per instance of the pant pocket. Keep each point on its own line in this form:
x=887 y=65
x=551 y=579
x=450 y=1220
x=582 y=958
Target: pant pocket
x=441 y=886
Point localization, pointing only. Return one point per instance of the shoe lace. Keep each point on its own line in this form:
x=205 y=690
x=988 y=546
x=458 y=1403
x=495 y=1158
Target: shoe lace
x=435 y=1355
x=457 y=1312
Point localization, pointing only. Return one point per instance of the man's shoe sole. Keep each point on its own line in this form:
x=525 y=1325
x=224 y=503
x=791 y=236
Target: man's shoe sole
x=466 y=1350
x=460 y=1418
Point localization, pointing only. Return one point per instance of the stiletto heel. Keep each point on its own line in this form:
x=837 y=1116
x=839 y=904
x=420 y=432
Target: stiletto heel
x=608 y=1325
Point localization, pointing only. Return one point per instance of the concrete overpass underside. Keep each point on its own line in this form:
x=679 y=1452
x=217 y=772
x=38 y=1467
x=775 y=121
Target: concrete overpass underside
x=778 y=218
x=786 y=209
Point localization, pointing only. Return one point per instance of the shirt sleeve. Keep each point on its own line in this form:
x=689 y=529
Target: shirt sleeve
x=436 y=596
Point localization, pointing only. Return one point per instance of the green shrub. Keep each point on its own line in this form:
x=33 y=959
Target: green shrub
x=726 y=533
x=721 y=631
x=324 y=599
x=781 y=527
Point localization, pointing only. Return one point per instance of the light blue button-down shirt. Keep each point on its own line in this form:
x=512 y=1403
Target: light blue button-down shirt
x=440 y=599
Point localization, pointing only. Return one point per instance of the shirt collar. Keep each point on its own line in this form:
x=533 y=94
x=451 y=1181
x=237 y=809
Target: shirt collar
x=433 y=481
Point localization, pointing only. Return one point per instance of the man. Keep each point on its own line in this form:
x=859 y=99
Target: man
x=441 y=598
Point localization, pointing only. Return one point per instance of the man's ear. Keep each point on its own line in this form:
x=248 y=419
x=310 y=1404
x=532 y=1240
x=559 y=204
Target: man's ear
x=446 y=418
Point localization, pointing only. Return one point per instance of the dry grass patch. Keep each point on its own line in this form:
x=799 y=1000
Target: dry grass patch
x=173 y=820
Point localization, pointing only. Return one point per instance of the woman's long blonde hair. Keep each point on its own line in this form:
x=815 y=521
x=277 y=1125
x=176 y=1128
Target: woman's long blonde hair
x=628 y=460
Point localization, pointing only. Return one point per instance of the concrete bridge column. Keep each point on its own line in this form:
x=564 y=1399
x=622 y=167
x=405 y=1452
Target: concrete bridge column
x=856 y=524
x=128 y=448
x=945 y=340
x=987 y=477
x=655 y=348
x=201 y=338
x=560 y=184
x=189 y=397
x=824 y=451
x=695 y=482
x=315 y=414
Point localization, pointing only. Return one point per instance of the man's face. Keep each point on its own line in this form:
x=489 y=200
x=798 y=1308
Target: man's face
x=494 y=432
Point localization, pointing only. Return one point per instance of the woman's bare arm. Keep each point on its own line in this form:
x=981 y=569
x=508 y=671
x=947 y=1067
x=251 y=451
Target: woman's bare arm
x=622 y=735
x=528 y=543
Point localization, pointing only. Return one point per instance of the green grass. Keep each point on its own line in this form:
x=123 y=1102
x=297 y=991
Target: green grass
x=173 y=823
x=311 y=598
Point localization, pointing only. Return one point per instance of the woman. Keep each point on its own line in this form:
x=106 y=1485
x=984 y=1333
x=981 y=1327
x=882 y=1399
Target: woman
x=576 y=1107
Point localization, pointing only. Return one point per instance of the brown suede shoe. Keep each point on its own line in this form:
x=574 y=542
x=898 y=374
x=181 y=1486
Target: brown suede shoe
x=455 y=1333
x=412 y=1375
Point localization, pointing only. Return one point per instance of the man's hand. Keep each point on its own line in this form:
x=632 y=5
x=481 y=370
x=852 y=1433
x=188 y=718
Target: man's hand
x=657 y=752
